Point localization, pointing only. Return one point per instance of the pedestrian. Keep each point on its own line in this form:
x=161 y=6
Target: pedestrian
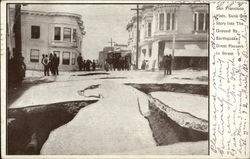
x=51 y=64
x=84 y=65
x=143 y=66
x=79 y=61
x=169 y=65
x=46 y=65
x=88 y=63
x=93 y=65
x=56 y=64
x=44 y=69
x=106 y=65
x=165 y=64
x=23 y=67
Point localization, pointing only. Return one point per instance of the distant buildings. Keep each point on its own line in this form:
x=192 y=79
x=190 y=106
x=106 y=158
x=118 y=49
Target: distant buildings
x=45 y=33
x=132 y=29
x=118 y=50
x=176 y=29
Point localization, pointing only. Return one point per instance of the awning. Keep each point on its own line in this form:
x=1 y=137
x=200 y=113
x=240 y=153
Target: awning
x=187 y=49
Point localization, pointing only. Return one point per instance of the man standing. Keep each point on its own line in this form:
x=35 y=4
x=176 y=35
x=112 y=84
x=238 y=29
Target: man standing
x=79 y=61
x=93 y=65
x=44 y=68
x=165 y=64
x=56 y=64
x=46 y=65
x=51 y=64
x=88 y=63
x=170 y=64
x=84 y=65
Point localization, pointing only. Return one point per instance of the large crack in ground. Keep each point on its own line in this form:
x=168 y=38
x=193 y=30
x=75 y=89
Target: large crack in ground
x=168 y=125
x=29 y=127
x=166 y=131
x=201 y=89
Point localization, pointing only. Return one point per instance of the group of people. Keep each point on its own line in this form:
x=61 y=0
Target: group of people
x=50 y=64
x=119 y=64
x=85 y=65
x=167 y=61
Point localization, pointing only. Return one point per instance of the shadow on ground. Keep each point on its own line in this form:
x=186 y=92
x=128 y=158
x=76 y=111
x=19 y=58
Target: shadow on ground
x=201 y=89
x=15 y=92
x=29 y=127
x=166 y=131
x=91 y=74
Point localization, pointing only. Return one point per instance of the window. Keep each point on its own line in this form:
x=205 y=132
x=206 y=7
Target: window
x=144 y=51
x=207 y=22
x=73 y=59
x=34 y=55
x=173 y=21
x=200 y=21
x=161 y=21
x=168 y=21
x=74 y=35
x=65 y=58
x=57 y=34
x=35 y=32
x=67 y=34
x=195 y=22
x=150 y=52
x=156 y=21
x=149 y=29
x=57 y=54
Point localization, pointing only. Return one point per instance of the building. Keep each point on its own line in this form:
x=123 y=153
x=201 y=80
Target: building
x=45 y=33
x=132 y=39
x=118 y=50
x=177 y=29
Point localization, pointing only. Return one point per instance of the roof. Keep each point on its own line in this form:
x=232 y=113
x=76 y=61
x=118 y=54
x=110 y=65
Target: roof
x=43 y=13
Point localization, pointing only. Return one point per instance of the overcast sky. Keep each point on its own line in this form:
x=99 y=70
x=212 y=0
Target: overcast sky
x=101 y=23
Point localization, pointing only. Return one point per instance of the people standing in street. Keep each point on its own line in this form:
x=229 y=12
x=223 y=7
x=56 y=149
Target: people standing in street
x=93 y=65
x=56 y=64
x=51 y=64
x=165 y=64
x=169 y=65
x=88 y=63
x=84 y=65
x=46 y=65
x=106 y=65
x=79 y=62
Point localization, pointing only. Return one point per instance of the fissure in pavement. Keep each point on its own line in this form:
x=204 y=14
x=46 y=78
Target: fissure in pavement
x=165 y=130
x=29 y=127
x=201 y=89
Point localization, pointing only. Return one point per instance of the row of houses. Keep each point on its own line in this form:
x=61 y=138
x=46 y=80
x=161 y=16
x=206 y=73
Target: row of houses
x=177 y=29
x=46 y=33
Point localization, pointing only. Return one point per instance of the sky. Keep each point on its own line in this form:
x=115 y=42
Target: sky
x=102 y=22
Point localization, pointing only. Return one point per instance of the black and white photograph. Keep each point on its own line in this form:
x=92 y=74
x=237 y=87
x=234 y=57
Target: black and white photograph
x=107 y=78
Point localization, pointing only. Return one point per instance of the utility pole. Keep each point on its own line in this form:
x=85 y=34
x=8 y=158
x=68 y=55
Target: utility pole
x=17 y=31
x=111 y=43
x=173 y=44
x=137 y=32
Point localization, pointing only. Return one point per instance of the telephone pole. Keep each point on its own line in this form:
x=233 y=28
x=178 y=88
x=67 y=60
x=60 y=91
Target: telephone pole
x=17 y=31
x=111 y=43
x=137 y=32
